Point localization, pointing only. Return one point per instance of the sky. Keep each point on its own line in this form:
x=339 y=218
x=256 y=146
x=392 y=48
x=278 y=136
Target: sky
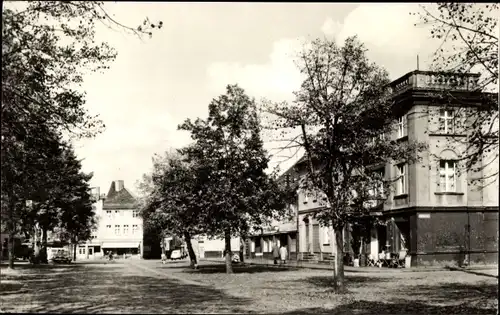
x=156 y=83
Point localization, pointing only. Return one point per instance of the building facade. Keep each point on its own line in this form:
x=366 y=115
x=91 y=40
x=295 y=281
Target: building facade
x=213 y=248
x=435 y=210
x=438 y=210
x=119 y=227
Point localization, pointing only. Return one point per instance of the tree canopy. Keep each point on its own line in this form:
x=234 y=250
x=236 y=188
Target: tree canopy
x=231 y=164
x=47 y=48
x=345 y=118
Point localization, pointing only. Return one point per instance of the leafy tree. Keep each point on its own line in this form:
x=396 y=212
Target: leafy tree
x=469 y=43
x=77 y=218
x=62 y=198
x=23 y=174
x=343 y=117
x=173 y=203
x=47 y=47
x=230 y=161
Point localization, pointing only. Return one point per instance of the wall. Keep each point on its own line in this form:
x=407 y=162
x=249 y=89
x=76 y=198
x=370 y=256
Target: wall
x=214 y=248
x=326 y=236
x=123 y=217
x=423 y=176
x=444 y=238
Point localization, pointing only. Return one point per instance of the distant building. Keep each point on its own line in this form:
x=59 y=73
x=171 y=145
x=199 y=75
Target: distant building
x=205 y=247
x=119 y=226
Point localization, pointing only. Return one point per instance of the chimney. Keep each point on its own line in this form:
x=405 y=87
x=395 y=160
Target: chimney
x=119 y=185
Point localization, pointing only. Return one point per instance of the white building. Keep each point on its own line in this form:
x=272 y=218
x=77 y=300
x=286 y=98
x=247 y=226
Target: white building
x=119 y=226
x=213 y=248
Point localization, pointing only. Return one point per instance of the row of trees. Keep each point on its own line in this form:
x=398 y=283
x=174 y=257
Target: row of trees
x=47 y=48
x=218 y=185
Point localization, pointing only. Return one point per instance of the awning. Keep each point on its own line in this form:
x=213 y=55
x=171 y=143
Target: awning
x=120 y=245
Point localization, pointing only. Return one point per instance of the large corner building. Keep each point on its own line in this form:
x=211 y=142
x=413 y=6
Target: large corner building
x=436 y=212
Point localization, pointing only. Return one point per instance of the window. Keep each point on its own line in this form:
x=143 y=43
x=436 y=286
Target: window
x=134 y=229
x=116 y=213
x=108 y=213
x=401 y=182
x=135 y=214
x=108 y=227
x=402 y=126
x=125 y=229
x=326 y=236
x=306 y=196
x=82 y=250
x=447 y=176
x=117 y=230
x=446 y=121
x=377 y=189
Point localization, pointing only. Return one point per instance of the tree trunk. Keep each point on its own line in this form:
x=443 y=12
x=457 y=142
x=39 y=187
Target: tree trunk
x=36 y=250
x=192 y=254
x=43 y=252
x=74 y=250
x=242 y=249
x=10 y=245
x=163 y=245
x=338 y=279
x=227 y=239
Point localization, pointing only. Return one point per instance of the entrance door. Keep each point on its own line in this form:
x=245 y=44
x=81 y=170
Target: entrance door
x=316 y=245
x=91 y=252
x=308 y=246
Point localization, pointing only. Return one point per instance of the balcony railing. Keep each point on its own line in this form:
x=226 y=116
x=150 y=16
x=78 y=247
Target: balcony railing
x=429 y=80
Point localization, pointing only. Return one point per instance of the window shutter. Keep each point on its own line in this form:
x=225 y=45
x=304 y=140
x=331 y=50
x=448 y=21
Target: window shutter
x=407 y=178
x=454 y=177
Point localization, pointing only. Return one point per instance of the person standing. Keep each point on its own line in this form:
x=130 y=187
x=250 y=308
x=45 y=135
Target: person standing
x=276 y=253
x=283 y=253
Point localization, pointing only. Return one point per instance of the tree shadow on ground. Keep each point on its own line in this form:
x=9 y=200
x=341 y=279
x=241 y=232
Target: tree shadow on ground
x=211 y=269
x=101 y=291
x=405 y=307
x=449 y=292
x=448 y=298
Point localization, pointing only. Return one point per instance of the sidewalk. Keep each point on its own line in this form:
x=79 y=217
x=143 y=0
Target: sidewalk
x=324 y=266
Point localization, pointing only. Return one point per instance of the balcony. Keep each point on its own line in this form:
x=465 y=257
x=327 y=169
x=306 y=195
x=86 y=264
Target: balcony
x=429 y=80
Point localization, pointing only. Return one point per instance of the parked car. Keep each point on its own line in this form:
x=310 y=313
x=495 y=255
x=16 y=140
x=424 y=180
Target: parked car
x=61 y=256
x=178 y=254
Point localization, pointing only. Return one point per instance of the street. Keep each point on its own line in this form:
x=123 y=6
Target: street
x=141 y=286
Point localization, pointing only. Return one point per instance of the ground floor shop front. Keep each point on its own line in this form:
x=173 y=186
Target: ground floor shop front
x=96 y=250
x=414 y=236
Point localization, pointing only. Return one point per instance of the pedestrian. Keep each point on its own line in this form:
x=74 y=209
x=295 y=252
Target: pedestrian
x=163 y=258
x=283 y=253
x=276 y=253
